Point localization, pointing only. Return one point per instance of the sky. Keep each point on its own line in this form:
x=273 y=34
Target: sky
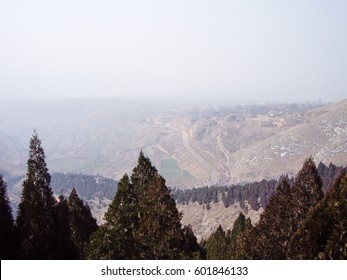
x=288 y=50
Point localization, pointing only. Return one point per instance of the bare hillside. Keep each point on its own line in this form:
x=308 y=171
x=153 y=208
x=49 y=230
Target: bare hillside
x=190 y=145
x=205 y=222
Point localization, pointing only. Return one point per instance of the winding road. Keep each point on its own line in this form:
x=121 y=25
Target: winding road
x=226 y=155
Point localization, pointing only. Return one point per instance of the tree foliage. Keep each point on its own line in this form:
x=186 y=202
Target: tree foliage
x=65 y=248
x=257 y=194
x=285 y=212
x=36 y=214
x=81 y=223
x=115 y=239
x=270 y=235
x=87 y=186
x=142 y=221
x=223 y=245
x=240 y=225
x=216 y=245
x=307 y=191
x=8 y=234
x=49 y=229
x=323 y=232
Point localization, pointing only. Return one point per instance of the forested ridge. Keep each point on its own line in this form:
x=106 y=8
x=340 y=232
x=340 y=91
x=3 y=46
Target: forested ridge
x=304 y=217
x=256 y=194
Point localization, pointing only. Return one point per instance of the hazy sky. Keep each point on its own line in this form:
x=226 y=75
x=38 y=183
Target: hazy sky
x=245 y=49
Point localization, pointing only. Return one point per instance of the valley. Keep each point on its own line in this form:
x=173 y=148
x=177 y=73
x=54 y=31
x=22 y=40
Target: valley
x=190 y=145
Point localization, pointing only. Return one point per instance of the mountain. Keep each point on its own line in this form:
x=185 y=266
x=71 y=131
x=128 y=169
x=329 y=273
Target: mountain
x=191 y=145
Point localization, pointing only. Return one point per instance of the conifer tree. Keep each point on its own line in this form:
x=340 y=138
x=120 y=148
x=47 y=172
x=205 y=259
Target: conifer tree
x=239 y=228
x=270 y=236
x=8 y=234
x=307 y=191
x=115 y=239
x=276 y=223
x=36 y=217
x=283 y=215
x=81 y=223
x=323 y=233
x=142 y=221
x=242 y=247
x=216 y=245
x=65 y=249
x=192 y=248
x=143 y=174
x=159 y=232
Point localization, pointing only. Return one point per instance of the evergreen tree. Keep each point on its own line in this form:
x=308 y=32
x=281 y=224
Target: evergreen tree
x=246 y=246
x=8 y=234
x=142 y=221
x=36 y=217
x=216 y=245
x=270 y=236
x=323 y=234
x=143 y=174
x=242 y=246
x=115 y=239
x=65 y=248
x=307 y=191
x=99 y=246
x=192 y=248
x=81 y=223
x=281 y=218
x=159 y=232
x=239 y=228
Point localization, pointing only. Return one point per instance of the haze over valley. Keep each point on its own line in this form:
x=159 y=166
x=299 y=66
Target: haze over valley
x=191 y=145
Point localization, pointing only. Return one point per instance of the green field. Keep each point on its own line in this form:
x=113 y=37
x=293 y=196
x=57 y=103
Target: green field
x=171 y=171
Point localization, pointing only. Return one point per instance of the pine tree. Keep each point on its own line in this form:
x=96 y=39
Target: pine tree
x=323 y=233
x=36 y=217
x=8 y=234
x=81 y=223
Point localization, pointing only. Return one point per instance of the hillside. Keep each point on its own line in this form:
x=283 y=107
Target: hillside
x=96 y=191
x=321 y=133
x=191 y=145
x=207 y=208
